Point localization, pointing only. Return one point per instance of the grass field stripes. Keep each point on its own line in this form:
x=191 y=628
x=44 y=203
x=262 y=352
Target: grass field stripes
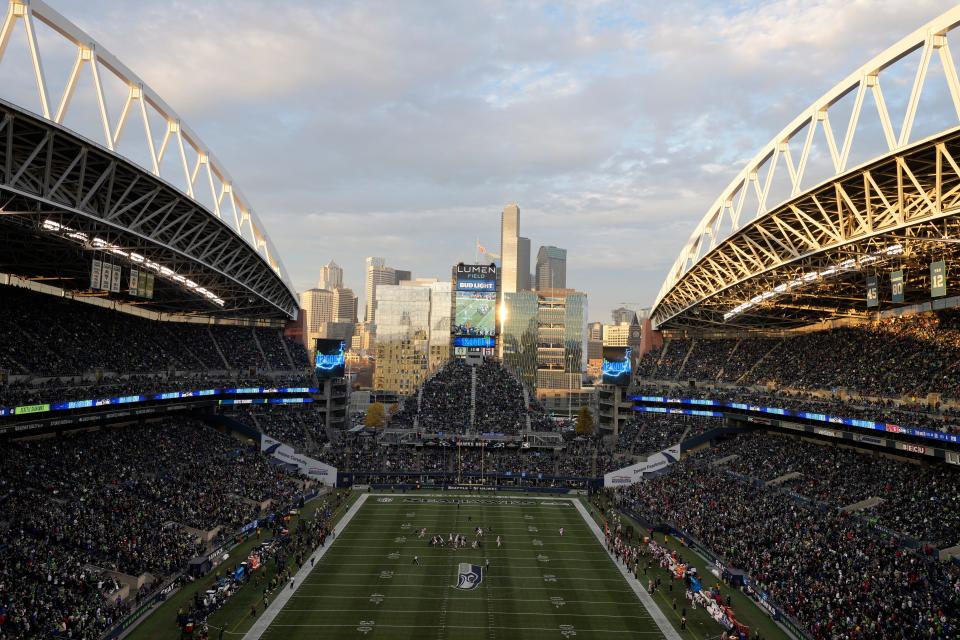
x=381 y=579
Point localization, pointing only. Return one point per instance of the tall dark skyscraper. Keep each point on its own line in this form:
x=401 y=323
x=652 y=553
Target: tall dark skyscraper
x=551 y=268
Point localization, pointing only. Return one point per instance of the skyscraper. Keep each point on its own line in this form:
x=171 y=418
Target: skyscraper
x=377 y=273
x=622 y=314
x=317 y=305
x=551 y=268
x=523 y=264
x=413 y=333
x=331 y=276
x=344 y=305
x=509 y=249
x=544 y=337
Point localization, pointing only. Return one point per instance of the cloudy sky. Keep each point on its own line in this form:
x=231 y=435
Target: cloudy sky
x=401 y=128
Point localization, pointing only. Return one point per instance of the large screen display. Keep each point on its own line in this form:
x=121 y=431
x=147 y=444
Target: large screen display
x=616 y=366
x=475 y=307
x=331 y=358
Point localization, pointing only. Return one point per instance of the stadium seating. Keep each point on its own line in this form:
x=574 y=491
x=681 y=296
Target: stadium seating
x=50 y=336
x=133 y=500
x=837 y=574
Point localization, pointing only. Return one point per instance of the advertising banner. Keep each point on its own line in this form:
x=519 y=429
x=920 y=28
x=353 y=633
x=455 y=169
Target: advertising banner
x=637 y=472
x=313 y=469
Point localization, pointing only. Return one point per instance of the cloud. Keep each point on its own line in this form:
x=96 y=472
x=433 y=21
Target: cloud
x=401 y=129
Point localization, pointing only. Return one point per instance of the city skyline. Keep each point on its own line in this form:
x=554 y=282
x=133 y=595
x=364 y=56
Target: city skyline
x=577 y=112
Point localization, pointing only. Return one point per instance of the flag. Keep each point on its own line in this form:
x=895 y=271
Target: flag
x=480 y=247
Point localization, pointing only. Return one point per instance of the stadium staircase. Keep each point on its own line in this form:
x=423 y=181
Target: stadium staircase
x=263 y=354
x=226 y=364
x=663 y=352
x=286 y=350
x=747 y=373
x=526 y=405
x=312 y=446
x=693 y=343
x=721 y=370
x=473 y=398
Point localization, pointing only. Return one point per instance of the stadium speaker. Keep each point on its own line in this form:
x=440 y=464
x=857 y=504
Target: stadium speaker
x=693 y=384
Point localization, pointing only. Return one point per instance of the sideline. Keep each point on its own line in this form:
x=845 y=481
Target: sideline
x=665 y=627
x=264 y=621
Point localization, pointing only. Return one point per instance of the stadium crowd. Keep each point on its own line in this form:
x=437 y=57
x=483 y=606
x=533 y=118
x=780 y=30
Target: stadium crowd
x=836 y=574
x=49 y=336
x=133 y=499
x=912 y=355
x=445 y=399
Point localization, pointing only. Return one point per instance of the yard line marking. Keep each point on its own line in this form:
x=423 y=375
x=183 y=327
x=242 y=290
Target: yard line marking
x=385 y=584
x=339 y=597
x=461 y=626
x=552 y=614
x=323 y=580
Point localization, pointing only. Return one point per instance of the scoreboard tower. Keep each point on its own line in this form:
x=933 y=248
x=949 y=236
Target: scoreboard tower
x=474 y=315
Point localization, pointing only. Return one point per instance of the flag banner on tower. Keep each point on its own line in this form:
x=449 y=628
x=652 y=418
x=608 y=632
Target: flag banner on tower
x=873 y=299
x=106 y=276
x=149 y=293
x=134 y=281
x=95 y=274
x=896 y=286
x=938 y=279
x=142 y=284
x=115 y=280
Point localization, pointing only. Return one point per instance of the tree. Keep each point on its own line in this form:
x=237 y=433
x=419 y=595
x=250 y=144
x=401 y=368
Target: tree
x=376 y=416
x=584 y=422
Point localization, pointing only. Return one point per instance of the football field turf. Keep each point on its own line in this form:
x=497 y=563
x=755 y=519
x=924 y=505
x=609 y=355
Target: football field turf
x=538 y=584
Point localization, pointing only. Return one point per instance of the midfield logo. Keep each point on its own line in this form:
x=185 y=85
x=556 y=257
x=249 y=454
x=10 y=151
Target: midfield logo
x=470 y=576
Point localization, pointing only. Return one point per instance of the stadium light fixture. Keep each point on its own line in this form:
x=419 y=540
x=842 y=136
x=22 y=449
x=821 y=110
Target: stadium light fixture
x=97 y=243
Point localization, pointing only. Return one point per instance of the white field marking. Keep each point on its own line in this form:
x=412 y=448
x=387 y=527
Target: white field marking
x=553 y=614
x=473 y=599
x=385 y=585
x=664 y=625
x=262 y=623
x=459 y=626
x=444 y=564
x=326 y=581
x=582 y=535
x=598 y=553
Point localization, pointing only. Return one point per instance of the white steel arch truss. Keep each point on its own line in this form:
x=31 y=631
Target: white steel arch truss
x=790 y=150
x=205 y=174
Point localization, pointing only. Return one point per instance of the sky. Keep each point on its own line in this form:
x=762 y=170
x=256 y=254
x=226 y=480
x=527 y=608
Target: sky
x=400 y=129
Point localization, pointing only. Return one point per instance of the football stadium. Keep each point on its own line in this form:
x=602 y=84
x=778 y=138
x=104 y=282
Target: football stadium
x=768 y=448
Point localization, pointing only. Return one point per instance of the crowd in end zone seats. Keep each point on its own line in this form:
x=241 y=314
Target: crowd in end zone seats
x=50 y=336
x=837 y=573
x=445 y=400
x=125 y=499
x=916 y=354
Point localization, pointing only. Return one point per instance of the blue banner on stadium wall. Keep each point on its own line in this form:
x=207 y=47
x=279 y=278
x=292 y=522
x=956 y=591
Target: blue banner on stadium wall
x=938 y=279
x=928 y=434
x=896 y=286
x=873 y=299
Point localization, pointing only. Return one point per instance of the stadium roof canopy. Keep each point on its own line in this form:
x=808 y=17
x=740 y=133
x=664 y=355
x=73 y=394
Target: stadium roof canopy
x=766 y=259
x=146 y=195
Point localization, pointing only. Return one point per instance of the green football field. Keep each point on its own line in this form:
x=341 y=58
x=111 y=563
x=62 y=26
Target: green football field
x=538 y=584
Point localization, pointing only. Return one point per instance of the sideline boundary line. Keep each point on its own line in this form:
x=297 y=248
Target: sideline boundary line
x=263 y=622
x=662 y=623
